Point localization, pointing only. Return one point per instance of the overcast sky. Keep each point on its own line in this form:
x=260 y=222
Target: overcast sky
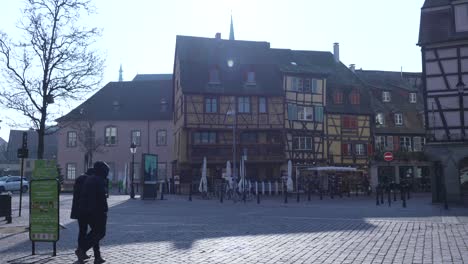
x=140 y=34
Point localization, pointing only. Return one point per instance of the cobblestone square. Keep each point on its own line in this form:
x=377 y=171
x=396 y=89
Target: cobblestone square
x=342 y=230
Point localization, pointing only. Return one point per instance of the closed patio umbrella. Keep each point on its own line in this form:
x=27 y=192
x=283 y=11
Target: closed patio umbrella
x=289 y=182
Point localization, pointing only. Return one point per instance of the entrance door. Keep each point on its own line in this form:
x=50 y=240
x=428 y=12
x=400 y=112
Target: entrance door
x=386 y=174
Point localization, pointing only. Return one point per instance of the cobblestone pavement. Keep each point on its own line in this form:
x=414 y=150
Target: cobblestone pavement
x=346 y=230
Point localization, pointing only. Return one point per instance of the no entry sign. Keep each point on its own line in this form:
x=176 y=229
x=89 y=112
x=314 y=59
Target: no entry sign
x=388 y=156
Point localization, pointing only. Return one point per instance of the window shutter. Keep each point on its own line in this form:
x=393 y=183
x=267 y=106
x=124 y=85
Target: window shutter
x=396 y=146
x=344 y=149
x=370 y=151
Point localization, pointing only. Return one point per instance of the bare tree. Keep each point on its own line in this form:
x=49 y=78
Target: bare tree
x=54 y=61
x=87 y=141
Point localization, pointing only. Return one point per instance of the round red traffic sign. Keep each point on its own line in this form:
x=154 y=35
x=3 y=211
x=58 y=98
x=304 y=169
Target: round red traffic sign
x=388 y=156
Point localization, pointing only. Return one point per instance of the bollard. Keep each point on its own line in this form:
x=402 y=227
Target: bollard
x=377 y=196
x=286 y=196
x=389 y=198
x=382 y=195
x=190 y=194
x=445 y=199
x=404 y=197
x=258 y=198
x=162 y=192
x=308 y=193
x=297 y=198
x=221 y=198
x=394 y=194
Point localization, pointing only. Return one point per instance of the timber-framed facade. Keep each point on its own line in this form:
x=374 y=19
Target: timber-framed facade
x=443 y=38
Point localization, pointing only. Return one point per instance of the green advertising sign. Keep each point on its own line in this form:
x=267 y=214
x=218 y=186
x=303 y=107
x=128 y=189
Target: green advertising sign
x=44 y=202
x=45 y=169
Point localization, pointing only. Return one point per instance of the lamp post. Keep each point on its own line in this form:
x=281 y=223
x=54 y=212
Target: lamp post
x=234 y=124
x=133 y=150
x=461 y=88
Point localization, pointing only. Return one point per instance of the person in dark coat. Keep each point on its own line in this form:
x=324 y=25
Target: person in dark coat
x=93 y=208
x=75 y=211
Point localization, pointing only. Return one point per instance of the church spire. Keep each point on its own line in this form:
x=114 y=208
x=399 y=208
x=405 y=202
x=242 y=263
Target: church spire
x=120 y=74
x=231 y=31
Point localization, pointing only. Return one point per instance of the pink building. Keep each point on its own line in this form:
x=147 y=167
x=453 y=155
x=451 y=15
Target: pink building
x=104 y=126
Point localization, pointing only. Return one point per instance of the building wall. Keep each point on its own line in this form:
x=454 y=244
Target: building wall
x=118 y=155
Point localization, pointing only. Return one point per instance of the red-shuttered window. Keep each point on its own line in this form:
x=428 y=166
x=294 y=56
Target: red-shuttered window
x=338 y=97
x=346 y=149
x=350 y=122
x=355 y=98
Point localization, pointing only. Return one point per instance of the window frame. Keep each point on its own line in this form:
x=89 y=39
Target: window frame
x=382 y=115
x=398 y=119
x=138 y=143
x=69 y=138
x=386 y=96
x=157 y=137
x=242 y=102
x=198 y=137
x=358 y=151
x=265 y=104
x=303 y=143
x=303 y=113
x=211 y=101
x=350 y=122
x=355 y=98
x=413 y=98
x=405 y=144
x=338 y=97
x=214 y=75
x=106 y=141
x=165 y=168
x=68 y=166
x=251 y=77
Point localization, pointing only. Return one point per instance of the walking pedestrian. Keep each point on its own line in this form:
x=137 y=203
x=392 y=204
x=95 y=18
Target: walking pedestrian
x=93 y=207
x=75 y=210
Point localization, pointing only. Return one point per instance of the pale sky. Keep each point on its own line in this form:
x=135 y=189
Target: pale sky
x=141 y=34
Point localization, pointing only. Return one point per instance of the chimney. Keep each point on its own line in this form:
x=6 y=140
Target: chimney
x=218 y=36
x=336 y=51
x=352 y=67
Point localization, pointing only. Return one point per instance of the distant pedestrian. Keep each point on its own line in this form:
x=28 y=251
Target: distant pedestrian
x=93 y=208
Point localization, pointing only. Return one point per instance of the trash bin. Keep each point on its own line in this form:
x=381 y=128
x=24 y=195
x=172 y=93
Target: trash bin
x=5 y=207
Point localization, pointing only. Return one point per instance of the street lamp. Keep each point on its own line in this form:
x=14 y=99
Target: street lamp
x=461 y=88
x=133 y=149
x=234 y=124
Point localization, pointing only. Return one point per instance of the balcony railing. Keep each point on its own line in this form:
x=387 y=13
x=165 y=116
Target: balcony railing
x=222 y=153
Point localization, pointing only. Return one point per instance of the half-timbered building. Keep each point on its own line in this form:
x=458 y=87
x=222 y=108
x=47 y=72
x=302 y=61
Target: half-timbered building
x=304 y=76
x=228 y=100
x=398 y=128
x=348 y=119
x=443 y=38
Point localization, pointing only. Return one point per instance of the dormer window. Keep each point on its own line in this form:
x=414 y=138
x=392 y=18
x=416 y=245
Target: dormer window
x=379 y=120
x=386 y=96
x=338 y=97
x=251 y=77
x=354 y=98
x=461 y=17
x=214 y=75
x=163 y=105
x=412 y=98
x=398 y=119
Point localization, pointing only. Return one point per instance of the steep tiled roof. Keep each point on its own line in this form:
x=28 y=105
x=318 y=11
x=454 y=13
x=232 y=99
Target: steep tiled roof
x=398 y=85
x=435 y=3
x=197 y=56
x=140 y=100
x=153 y=77
x=303 y=62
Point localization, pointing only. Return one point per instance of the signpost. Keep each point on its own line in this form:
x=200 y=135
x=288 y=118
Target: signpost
x=22 y=154
x=44 y=205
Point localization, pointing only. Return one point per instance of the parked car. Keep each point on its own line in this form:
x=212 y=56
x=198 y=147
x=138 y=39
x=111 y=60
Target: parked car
x=13 y=183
